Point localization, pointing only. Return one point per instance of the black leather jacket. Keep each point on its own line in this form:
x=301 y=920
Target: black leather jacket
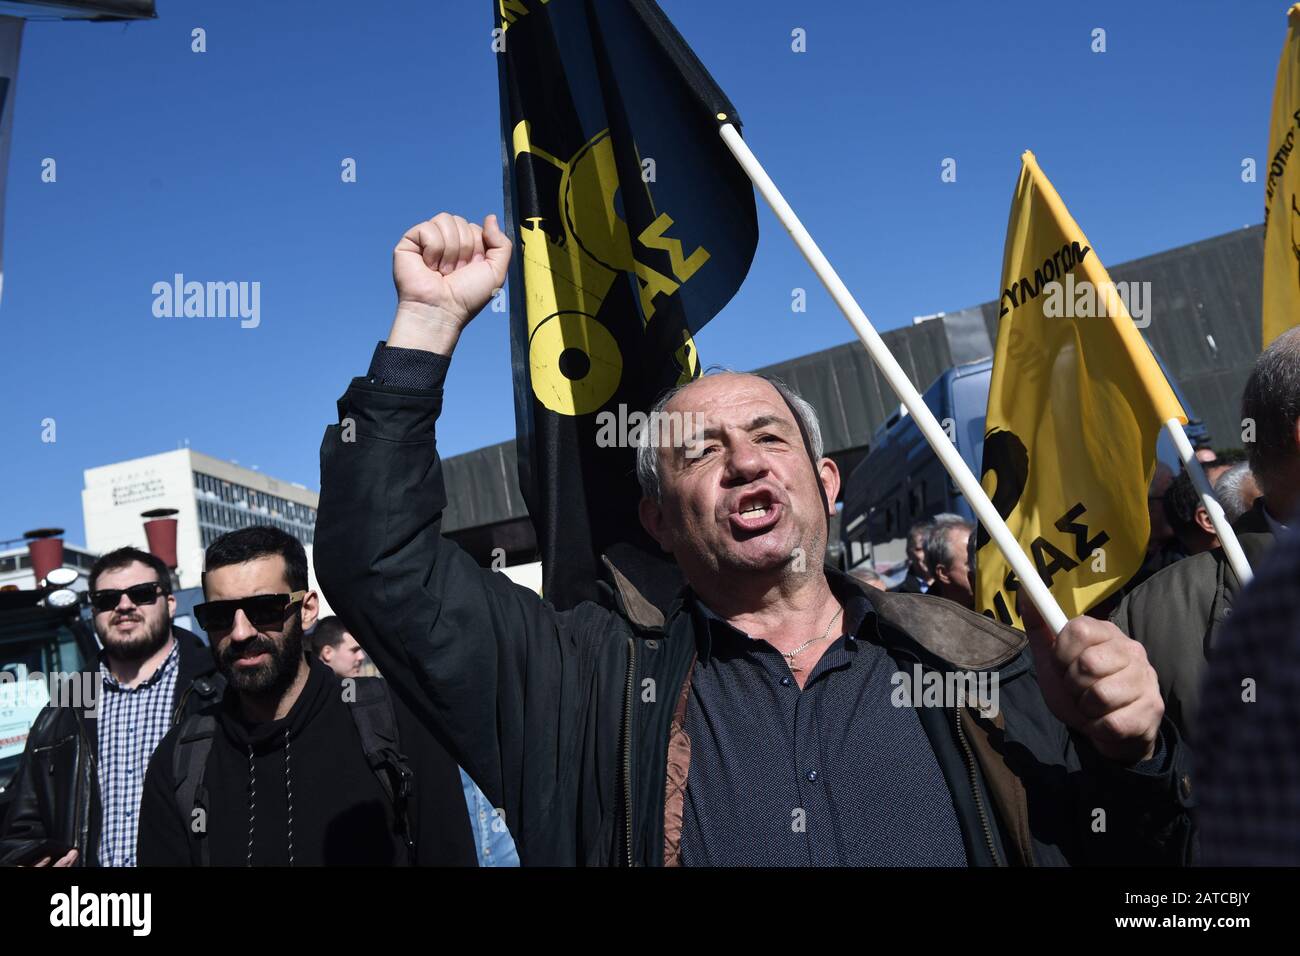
x=56 y=787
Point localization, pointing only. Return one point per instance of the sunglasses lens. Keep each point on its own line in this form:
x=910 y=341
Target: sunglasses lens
x=215 y=615
x=266 y=610
x=105 y=600
x=142 y=594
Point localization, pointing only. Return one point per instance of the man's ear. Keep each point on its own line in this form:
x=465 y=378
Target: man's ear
x=941 y=574
x=171 y=606
x=1203 y=521
x=829 y=474
x=651 y=514
x=310 y=609
x=326 y=653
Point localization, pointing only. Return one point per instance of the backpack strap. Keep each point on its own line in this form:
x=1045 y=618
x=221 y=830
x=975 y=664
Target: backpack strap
x=372 y=711
x=189 y=759
x=202 y=691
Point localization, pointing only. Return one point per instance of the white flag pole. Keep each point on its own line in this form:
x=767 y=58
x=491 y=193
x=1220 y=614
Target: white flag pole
x=988 y=516
x=1227 y=537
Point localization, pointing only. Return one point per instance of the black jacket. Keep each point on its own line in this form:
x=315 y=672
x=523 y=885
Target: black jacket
x=909 y=585
x=56 y=787
x=572 y=721
x=1179 y=614
x=313 y=802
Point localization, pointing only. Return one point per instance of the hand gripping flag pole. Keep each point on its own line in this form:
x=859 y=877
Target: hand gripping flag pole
x=966 y=481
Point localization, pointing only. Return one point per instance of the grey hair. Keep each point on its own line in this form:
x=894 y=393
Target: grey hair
x=647 y=451
x=866 y=575
x=1271 y=400
x=1228 y=489
x=972 y=548
x=919 y=530
x=938 y=546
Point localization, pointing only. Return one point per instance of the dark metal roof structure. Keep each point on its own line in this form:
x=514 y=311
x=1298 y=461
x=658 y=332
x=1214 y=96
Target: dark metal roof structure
x=1204 y=325
x=1205 y=322
x=79 y=9
x=482 y=487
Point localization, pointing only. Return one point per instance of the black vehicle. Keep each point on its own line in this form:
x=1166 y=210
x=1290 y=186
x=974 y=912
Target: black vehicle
x=35 y=641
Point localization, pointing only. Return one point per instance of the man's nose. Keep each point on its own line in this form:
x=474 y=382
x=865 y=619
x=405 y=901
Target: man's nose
x=124 y=605
x=242 y=629
x=745 y=462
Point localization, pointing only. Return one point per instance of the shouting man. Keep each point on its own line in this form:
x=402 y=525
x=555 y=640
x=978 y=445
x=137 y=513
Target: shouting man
x=759 y=721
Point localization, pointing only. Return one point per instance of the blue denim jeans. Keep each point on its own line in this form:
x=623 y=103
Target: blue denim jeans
x=492 y=841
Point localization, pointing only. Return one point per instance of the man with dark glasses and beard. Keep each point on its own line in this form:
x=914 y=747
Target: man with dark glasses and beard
x=293 y=766
x=77 y=791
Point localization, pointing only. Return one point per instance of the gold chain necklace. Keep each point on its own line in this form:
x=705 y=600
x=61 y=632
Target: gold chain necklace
x=790 y=655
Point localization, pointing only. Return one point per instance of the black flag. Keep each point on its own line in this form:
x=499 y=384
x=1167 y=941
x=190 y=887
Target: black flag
x=633 y=226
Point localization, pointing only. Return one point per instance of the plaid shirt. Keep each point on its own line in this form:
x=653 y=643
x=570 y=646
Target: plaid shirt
x=132 y=721
x=1248 y=752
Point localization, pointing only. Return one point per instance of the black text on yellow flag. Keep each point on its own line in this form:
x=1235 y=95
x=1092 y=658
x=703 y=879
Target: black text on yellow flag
x=1282 y=194
x=1076 y=404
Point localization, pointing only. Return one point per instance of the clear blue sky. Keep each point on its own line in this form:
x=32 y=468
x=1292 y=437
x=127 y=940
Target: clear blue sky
x=225 y=166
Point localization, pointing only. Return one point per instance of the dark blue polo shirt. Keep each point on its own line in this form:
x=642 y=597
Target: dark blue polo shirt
x=831 y=775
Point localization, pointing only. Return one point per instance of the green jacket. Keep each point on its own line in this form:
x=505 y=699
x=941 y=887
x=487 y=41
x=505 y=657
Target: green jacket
x=1178 y=614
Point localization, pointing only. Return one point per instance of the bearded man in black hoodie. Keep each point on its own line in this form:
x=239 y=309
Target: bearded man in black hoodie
x=293 y=766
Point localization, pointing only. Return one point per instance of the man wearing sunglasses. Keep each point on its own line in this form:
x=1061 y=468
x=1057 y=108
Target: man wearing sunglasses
x=77 y=790
x=293 y=766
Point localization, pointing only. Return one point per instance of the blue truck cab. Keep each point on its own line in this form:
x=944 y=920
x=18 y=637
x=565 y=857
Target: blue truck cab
x=901 y=481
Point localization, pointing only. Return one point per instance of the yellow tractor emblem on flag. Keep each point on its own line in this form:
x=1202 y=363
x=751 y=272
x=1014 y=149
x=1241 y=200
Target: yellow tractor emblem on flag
x=569 y=266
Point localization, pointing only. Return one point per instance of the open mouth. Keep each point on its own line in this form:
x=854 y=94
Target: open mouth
x=755 y=513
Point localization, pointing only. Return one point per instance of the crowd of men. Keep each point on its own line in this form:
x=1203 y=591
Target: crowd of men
x=193 y=754
x=771 y=714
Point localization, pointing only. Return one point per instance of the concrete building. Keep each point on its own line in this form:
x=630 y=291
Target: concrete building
x=16 y=566
x=211 y=497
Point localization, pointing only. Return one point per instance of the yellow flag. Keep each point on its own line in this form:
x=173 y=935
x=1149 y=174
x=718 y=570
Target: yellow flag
x=1076 y=404
x=1282 y=193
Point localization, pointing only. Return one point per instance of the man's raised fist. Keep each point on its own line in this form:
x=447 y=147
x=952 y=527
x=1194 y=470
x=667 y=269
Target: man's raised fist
x=445 y=270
